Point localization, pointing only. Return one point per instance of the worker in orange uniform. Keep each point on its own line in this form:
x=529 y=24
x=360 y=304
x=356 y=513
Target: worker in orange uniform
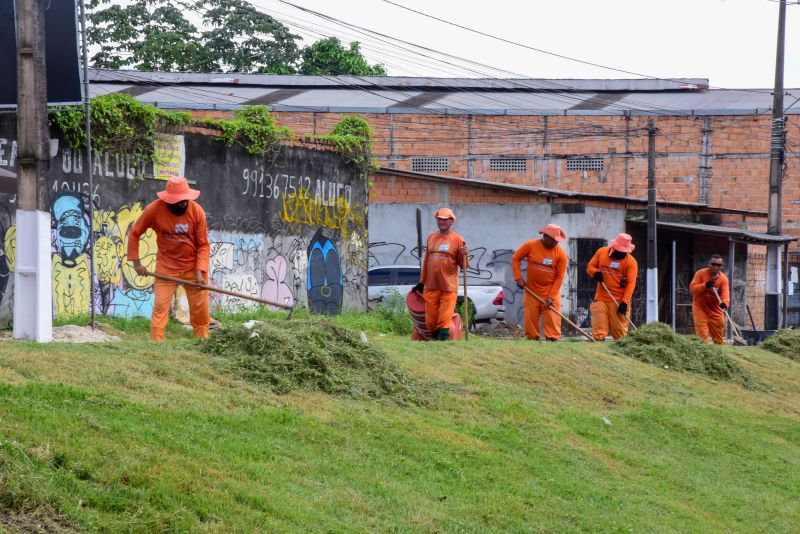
x=445 y=252
x=547 y=265
x=615 y=267
x=707 y=310
x=183 y=252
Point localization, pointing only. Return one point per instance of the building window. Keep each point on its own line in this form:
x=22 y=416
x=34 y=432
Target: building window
x=508 y=165
x=430 y=164
x=584 y=164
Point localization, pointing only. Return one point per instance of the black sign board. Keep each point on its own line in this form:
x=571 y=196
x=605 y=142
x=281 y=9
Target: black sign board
x=61 y=49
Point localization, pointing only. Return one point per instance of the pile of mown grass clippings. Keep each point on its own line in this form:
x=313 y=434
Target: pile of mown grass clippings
x=315 y=354
x=657 y=344
x=784 y=342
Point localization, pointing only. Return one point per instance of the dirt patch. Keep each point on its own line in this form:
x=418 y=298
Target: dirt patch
x=657 y=344
x=313 y=354
x=41 y=520
x=786 y=343
x=500 y=330
x=72 y=334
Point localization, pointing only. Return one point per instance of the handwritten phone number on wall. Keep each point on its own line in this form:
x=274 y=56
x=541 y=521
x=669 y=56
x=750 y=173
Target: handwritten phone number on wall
x=260 y=184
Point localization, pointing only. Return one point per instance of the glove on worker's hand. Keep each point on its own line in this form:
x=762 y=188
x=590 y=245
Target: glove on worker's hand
x=623 y=308
x=598 y=276
x=419 y=288
x=710 y=284
x=723 y=305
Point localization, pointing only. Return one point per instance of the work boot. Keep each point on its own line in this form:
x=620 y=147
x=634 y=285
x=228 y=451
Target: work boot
x=443 y=334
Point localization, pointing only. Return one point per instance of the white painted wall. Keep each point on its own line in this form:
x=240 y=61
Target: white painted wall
x=492 y=232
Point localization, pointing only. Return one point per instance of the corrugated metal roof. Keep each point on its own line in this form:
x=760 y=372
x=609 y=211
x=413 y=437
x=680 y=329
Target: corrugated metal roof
x=737 y=234
x=432 y=95
x=294 y=80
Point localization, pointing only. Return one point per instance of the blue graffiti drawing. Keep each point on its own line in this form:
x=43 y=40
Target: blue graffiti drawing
x=71 y=227
x=324 y=276
x=133 y=303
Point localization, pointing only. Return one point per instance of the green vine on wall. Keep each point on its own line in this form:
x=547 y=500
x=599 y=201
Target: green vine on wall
x=352 y=137
x=122 y=124
x=254 y=128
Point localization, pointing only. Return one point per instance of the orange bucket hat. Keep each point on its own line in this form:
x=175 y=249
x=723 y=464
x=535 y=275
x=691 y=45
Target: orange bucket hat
x=177 y=189
x=554 y=231
x=445 y=213
x=623 y=243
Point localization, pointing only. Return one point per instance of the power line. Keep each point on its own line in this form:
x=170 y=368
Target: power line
x=540 y=50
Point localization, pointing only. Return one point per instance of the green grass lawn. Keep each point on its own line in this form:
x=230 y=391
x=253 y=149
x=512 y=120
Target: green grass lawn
x=521 y=437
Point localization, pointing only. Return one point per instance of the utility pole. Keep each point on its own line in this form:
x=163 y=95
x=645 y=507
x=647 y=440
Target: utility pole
x=652 y=258
x=772 y=304
x=33 y=295
x=88 y=117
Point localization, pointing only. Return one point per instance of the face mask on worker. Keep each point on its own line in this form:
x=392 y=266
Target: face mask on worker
x=617 y=255
x=179 y=208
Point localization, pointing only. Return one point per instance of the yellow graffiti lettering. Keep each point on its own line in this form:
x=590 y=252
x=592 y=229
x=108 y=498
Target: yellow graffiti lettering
x=304 y=209
x=107 y=256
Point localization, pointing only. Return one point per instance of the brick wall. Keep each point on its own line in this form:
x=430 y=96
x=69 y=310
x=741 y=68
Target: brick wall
x=724 y=159
x=392 y=188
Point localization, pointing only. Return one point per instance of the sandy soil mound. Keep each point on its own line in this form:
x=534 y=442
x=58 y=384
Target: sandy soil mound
x=72 y=334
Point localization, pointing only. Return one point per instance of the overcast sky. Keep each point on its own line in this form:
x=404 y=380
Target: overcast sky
x=730 y=42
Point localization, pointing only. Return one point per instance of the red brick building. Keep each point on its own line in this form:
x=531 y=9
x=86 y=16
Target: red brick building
x=560 y=138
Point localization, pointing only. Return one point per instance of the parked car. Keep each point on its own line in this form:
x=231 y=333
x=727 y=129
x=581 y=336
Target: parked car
x=487 y=301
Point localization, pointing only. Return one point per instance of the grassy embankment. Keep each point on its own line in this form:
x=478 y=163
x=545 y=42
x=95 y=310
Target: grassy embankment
x=132 y=436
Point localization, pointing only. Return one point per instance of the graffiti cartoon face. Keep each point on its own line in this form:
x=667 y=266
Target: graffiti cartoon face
x=71 y=227
x=324 y=279
x=147 y=255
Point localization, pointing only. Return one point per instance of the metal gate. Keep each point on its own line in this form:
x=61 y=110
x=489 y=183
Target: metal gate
x=581 y=286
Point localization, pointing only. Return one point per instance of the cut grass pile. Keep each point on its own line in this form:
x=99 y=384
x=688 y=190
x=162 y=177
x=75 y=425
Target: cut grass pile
x=314 y=354
x=785 y=343
x=657 y=344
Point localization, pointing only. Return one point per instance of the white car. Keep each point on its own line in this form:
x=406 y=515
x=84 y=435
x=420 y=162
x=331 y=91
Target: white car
x=384 y=280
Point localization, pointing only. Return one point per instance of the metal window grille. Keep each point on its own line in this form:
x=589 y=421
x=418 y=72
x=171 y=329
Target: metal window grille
x=585 y=164
x=508 y=165
x=430 y=164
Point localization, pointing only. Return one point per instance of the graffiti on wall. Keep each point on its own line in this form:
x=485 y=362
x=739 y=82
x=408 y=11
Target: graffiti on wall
x=291 y=239
x=324 y=276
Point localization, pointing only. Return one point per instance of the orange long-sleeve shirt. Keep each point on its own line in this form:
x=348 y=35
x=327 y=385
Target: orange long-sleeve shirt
x=546 y=267
x=182 y=239
x=613 y=272
x=442 y=259
x=704 y=298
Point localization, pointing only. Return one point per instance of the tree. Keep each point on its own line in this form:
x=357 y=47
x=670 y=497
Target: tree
x=244 y=39
x=329 y=57
x=156 y=35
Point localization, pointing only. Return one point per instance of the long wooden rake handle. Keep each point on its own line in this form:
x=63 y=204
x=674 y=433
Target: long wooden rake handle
x=219 y=290
x=465 y=301
x=734 y=328
x=630 y=322
x=573 y=325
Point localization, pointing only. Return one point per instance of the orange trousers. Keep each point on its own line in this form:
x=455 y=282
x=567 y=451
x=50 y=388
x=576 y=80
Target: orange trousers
x=606 y=318
x=535 y=310
x=439 y=308
x=705 y=324
x=198 y=306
